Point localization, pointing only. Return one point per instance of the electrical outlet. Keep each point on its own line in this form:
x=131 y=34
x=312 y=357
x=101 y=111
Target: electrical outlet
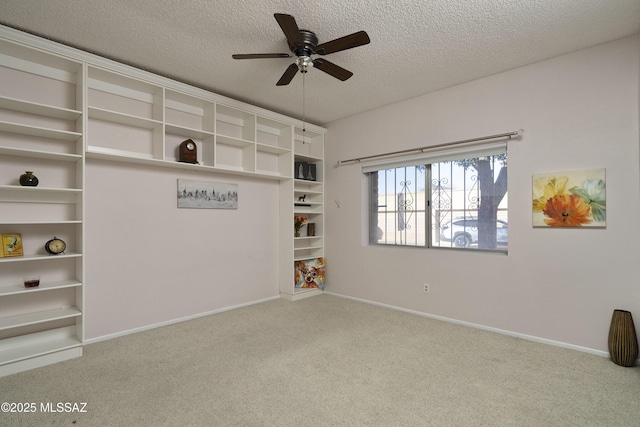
x=426 y=288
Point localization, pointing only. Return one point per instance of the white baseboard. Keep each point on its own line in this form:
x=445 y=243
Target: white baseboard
x=486 y=328
x=174 y=321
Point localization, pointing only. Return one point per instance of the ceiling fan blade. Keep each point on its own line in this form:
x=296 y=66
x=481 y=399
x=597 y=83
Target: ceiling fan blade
x=259 y=55
x=289 y=28
x=288 y=75
x=332 y=69
x=343 y=43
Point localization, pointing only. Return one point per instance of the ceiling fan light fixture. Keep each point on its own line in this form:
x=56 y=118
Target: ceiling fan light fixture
x=303 y=62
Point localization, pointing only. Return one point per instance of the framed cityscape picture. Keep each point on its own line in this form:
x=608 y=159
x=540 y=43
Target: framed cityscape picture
x=207 y=195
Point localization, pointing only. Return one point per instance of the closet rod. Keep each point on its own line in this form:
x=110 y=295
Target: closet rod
x=431 y=147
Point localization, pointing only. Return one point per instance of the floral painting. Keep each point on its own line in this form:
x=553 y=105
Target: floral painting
x=570 y=199
x=310 y=273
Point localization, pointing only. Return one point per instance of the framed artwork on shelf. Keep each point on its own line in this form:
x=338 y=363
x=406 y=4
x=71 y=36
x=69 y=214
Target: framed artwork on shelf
x=570 y=199
x=11 y=245
x=306 y=171
x=207 y=195
x=310 y=273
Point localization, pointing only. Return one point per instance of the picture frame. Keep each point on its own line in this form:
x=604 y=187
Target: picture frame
x=207 y=195
x=305 y=171
x=574 y=199
x=12 y=245
x=310 y=273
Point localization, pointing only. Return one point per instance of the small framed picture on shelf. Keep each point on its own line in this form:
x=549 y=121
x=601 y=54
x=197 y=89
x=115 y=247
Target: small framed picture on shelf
x=11 y=245
x=306 y=171
x=310 y=273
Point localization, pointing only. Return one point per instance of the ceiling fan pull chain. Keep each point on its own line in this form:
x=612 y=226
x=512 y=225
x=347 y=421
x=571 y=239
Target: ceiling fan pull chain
x=303 y=108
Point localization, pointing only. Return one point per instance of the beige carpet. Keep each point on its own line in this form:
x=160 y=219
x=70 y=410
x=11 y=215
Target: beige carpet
x=327 y=361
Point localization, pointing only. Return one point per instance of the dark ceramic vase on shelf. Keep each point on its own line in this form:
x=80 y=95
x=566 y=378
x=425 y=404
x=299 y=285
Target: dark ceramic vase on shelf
x=623 y=342
x=28 y=179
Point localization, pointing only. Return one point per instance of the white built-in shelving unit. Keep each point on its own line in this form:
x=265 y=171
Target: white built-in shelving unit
x=59 y=106
x=132 y=120
x=41 y=130
x=308 y=148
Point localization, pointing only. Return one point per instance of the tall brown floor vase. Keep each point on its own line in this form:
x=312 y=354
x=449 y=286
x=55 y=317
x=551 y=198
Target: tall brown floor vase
x=623 y=342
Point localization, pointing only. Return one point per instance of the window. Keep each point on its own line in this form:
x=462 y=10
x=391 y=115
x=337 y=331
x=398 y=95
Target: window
x=448 y=199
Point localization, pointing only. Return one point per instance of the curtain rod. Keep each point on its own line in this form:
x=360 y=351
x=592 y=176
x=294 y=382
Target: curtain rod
x=430 y=147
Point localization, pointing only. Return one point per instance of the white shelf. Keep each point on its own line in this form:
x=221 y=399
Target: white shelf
x=40 y=257
x=187 y=132
x=308 y=210
x=38 y=317
x=306 y=158
x=20 y=194
x=271 y=149
x=307 y=248
x=39 y=109
x=306 y=204
x=40 y=132
x=39 y=154
x=299 y=182
x=44 y=287
x=235 y=142
x=63 y=222
x=308 y=191
x=266 y=173
x=125 y=119
x=99 y=153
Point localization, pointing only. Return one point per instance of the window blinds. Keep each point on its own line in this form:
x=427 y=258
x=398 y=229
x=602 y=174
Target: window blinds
x=436 y=154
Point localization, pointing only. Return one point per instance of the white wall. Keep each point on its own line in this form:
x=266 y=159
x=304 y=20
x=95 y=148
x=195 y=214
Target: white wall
x=578 y=111
x=149 y=262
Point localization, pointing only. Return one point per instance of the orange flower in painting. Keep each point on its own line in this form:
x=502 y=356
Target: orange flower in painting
x=567 y=210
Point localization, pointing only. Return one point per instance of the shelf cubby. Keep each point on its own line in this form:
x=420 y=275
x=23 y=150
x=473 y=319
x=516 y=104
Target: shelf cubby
x=189 y=112
x=39 y=349
x=125 y=115
x=235 y=123
x=274 y=133
x=235 y=154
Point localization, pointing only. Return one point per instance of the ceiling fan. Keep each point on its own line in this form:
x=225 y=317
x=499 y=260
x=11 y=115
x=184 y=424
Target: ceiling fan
x=304 y=44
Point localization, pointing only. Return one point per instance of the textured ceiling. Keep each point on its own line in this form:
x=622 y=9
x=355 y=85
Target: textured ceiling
x=417 y=46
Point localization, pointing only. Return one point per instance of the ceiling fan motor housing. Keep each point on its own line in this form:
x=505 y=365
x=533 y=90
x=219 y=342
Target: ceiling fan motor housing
x=309 y=43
